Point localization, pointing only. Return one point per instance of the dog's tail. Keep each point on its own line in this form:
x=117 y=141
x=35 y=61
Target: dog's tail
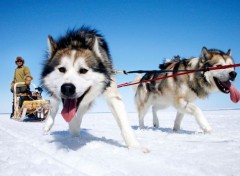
x=136 y=79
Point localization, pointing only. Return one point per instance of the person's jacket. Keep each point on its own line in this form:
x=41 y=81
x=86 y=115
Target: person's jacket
x=19 y=75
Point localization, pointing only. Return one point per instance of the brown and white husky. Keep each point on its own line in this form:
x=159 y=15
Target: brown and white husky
x=181 y=91
x=77 y=70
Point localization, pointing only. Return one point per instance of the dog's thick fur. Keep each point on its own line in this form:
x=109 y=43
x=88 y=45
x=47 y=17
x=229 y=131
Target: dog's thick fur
x=181 y=91
x=78 y=69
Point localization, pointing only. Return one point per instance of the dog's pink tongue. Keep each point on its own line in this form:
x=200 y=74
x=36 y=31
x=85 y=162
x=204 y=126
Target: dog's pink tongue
x=234 y=93
x=69 y=109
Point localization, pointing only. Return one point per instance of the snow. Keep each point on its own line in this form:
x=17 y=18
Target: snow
x=101 y=151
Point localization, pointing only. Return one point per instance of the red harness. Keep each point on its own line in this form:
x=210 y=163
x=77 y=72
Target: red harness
x=179 y=74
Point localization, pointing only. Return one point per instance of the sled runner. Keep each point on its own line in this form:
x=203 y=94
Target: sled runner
x=30 y=107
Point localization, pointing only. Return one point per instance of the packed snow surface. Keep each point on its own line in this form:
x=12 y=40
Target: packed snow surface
x=101 y=151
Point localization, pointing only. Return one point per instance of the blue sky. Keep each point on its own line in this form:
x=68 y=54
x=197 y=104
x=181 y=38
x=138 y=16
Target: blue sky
x=140 y=35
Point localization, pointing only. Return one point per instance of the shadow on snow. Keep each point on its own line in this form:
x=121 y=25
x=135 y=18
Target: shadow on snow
x=165 y=130
x=65 y=140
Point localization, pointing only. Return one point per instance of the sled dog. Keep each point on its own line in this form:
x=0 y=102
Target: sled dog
x=181 y=91
x=77 y=70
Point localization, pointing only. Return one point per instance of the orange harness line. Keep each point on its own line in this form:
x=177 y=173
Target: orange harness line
x=179 y=74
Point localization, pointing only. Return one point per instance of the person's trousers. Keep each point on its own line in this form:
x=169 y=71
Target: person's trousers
x=18 y=90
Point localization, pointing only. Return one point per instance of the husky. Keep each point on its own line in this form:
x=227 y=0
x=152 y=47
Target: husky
x=181 y=91
x=78 y=69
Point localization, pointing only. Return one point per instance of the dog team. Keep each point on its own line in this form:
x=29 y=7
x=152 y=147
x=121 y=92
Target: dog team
x=78 y=69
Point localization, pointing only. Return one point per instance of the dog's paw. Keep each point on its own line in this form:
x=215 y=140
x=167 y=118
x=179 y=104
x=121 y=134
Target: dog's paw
x=142 y=149
x=141 y=127
x=145 y=150
x=48 y=125
x=45 y=132
x=74 y=133
x=46 y=128
x=207 y=130
x=176 y=129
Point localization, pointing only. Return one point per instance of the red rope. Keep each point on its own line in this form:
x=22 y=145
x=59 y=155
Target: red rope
x=179 y=74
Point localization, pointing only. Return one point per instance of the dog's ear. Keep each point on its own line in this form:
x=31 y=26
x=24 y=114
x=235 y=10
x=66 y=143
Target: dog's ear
x=52 y=46
x=229 y=52
x=204 y=54
x=94 y=43
x=95 y=46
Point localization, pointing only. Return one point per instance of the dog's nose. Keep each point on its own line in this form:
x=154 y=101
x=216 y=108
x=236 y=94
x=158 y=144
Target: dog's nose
x=68 y=89
x=232 y=75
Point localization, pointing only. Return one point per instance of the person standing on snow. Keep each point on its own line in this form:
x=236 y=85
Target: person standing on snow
x=19 y=76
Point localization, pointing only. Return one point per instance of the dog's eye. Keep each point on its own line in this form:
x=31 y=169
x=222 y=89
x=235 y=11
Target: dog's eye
x=62 y=69
x=83 y=71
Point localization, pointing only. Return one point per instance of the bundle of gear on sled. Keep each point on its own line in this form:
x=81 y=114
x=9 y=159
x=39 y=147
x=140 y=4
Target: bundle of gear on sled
x=29 y=105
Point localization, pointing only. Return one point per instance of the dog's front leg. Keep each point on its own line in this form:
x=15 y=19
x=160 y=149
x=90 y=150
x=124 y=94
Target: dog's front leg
x=190 y=108
x=54 y=101
x=75 y=124
x=117 y=107
x=201 y=120
x=178 y=121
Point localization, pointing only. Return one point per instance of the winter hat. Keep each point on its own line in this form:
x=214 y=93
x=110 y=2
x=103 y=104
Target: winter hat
x=19 y=58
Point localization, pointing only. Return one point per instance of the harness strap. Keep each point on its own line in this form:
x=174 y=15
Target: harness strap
x=184 y=72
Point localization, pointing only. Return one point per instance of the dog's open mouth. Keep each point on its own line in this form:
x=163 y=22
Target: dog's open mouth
x=228 y=87
x=223 y=86
x=70 y=106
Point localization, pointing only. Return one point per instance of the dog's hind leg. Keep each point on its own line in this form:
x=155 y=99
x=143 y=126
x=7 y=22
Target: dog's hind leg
x=142 y=110
x=142 y=104
x=155 y=108
x=190 y=108
x=155 y=117
x=54 y=109
x=178 y=120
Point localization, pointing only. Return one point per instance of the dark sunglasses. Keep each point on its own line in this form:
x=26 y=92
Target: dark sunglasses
x=19 y=61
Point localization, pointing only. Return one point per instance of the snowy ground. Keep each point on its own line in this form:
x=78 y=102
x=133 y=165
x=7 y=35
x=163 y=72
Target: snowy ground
x=100 y=151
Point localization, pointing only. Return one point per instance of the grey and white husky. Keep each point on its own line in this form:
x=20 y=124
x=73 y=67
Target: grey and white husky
x=77 y=70
x=181 y=91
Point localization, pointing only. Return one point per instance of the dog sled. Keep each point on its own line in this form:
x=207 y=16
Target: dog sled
x=33 y=107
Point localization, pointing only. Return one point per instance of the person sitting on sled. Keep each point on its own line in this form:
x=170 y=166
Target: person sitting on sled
x=27 y=94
